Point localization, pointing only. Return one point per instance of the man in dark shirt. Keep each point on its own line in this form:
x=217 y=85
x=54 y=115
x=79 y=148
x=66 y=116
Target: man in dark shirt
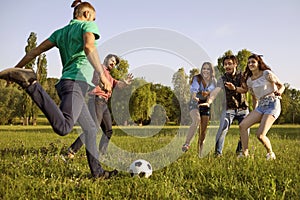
x=236 y=105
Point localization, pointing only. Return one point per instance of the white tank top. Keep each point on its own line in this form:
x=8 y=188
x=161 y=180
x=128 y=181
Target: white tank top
x=262 y=86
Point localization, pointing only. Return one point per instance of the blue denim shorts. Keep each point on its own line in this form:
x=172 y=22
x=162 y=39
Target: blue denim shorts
x=269 y=105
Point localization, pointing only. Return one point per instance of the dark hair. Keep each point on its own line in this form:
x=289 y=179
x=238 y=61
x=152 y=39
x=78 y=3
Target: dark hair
x=79 y=6
x=110 y=56
x=230 y=57
x=261 y=66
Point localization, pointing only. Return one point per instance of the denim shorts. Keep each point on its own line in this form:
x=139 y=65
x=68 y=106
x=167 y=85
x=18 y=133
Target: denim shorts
x=269 y=105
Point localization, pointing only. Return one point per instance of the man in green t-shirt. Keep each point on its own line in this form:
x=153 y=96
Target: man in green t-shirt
x=77 y=47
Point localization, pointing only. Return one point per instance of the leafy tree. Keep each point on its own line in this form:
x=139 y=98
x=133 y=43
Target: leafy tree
x=141 y=101
x=27 y=105
x=121 y=70
x=164 y=100
x=9 y=101
x=193 y=72
x=182 y=96
x=50 y=89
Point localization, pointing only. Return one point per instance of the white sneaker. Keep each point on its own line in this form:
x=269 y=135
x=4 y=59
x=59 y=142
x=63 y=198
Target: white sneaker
x=271 y=156
x=241 y=155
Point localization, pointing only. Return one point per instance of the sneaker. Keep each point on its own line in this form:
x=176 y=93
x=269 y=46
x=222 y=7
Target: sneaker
x=241 y=155
x=23 y=77
x=218 y=155
x=67 y=156
x=271 y=156
x=108 y=174
x=185 y=147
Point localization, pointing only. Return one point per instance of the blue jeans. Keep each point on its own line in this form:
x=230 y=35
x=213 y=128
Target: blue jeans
x=72 y=109
x=101 y=114
x=227 y=118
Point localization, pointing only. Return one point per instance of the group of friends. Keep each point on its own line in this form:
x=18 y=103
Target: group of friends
x=84 y=75
x=266 y=90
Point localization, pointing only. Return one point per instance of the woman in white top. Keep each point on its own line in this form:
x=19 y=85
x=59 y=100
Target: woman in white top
x=266 y=90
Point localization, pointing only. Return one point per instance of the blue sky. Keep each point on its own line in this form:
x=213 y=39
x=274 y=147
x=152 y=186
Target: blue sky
x=268 y=27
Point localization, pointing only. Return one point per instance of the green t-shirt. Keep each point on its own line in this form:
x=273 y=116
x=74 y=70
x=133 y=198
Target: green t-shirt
x=69 y=41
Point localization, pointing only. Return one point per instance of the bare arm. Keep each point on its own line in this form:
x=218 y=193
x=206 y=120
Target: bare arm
x=211 y=97
x=242 y=89
x=44 y=46
x=93 y=57
x=278 y=83
x=254 y=101
x=125 y=82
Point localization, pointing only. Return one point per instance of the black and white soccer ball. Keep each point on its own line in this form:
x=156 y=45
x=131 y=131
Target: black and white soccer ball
x=140 y=168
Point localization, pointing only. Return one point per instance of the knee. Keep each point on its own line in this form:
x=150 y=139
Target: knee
x=242 y=126
x=61 y=132
x=260 y=137
x=225 y=125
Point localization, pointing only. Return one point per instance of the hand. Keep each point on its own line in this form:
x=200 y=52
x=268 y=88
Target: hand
x=230 y=86
x=128 y=79
x=205 y=93
x=104 y=84
x=277 y=93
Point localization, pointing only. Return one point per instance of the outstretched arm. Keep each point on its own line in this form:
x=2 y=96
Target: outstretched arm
x=211 y=97
x=125 y=82
x=93 y=57
x=242 y=89
x=44 y=46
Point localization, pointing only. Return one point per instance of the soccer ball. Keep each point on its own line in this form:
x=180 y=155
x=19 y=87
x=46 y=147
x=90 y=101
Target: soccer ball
x=140 y=168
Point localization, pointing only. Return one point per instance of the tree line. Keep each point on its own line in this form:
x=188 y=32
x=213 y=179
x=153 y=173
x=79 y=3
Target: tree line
x=141 y=103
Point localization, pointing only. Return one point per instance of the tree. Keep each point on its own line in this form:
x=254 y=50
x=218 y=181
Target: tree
x=164 y=102
x=9 y=101
x=27 y=104
x=141 y=102
x=182 y=96
x=121 y=70
x=193 y=72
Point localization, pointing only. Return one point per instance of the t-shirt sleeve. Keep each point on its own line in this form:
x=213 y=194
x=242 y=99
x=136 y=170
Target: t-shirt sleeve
x=53 y=37
x=93 y=28
x=194 y=86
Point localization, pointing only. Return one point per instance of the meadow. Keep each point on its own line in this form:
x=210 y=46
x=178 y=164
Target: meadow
x=31 y=167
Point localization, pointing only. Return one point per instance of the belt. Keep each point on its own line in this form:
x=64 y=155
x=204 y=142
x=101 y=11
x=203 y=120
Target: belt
x=101 y=98
x=237 y=109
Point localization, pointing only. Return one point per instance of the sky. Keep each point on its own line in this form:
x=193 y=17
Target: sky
x=159 y=36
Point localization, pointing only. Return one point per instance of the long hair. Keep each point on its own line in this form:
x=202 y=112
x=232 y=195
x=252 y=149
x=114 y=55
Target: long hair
x=79 y=8
x=212 y=74
x=261 y=66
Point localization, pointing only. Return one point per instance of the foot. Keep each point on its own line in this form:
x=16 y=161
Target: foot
x=185 y=147
x=241 y=155
x=69 y=155
x=108 y=174
x=23 y=77
x=271 y=156
x=218 y=155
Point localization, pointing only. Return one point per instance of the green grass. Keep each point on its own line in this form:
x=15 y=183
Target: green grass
x=31 y=167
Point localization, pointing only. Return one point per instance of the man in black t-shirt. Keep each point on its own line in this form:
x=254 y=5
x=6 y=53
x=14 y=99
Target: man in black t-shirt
x=236 y=105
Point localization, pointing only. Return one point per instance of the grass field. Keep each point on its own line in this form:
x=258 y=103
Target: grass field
x=31 y=167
